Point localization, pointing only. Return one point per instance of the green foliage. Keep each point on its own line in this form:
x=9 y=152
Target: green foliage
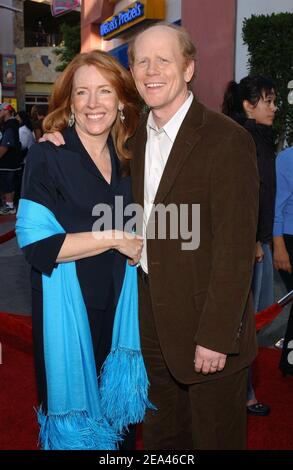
x=70 y=45
x=270 y=45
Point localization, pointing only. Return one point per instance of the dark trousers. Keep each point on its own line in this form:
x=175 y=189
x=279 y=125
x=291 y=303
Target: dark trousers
x=204 y=416
x=287 y=278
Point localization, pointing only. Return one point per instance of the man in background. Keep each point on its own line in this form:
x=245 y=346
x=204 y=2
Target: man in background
x=10 y=158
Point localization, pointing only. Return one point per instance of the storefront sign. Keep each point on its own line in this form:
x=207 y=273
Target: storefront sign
x=130 y=16
x=8 y=71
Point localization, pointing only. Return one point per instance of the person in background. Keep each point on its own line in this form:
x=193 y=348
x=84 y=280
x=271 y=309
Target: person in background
x=26 y=135
x=27 y=139
x=252 y=104
x=10 y=158
x=38 y=114
x=283 y=243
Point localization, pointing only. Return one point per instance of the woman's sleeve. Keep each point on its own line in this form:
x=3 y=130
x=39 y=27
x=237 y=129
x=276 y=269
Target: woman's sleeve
x=284 y=191
x=38 y=186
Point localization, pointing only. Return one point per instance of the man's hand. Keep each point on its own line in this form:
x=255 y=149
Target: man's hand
x=259 y=253
x=281 y=256
x=3 y=150
x=55 y=137
x=208 y=361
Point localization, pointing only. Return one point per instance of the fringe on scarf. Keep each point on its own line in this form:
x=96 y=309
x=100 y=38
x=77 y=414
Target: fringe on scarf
x=75 y=431
x=124 y=389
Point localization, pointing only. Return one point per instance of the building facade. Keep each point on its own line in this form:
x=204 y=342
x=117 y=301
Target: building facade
x=215 y=26
x=29 y=35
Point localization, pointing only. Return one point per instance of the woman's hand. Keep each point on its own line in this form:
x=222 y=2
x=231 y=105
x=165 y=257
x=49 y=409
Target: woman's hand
x=55 y=138
x=259 y=253
x=281 y=257
x=86 y=244
x=129 y=245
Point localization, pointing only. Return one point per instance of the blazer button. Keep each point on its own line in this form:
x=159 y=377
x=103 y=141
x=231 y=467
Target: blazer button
x=239 y=330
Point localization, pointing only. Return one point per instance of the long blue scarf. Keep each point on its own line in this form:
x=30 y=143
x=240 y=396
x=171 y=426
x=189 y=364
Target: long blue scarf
x=80 y=415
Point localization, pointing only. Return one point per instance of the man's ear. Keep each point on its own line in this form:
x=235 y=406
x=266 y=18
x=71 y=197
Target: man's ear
x=189 y=71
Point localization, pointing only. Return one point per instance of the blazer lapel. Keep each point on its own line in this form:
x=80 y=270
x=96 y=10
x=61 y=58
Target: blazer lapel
x=187 y=138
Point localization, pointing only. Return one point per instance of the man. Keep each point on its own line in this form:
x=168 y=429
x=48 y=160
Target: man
x=10 y=158
x=196 y=316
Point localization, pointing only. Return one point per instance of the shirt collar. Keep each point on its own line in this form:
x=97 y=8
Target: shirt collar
x=172 y=127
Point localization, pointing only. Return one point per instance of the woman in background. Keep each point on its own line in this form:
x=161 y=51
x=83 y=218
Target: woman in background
x=251 y=103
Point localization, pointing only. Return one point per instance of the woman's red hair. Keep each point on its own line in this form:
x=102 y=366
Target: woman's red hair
x=120 y=79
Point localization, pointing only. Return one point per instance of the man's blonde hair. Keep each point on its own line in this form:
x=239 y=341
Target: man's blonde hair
x=187 y=47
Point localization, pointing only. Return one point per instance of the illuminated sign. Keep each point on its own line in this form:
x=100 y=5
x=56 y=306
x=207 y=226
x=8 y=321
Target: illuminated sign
x=123 y=18
x=133 y=14
x=59 y=7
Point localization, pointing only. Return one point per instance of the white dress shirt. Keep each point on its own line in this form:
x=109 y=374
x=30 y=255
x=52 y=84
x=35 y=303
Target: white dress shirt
x=26 y=137
x=158 y=147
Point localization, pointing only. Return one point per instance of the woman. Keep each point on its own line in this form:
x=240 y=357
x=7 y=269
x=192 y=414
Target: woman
x=252 y=104
x=283 y=243
x=94 y=105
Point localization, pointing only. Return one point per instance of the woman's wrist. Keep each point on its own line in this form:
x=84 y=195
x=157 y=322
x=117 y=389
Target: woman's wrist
x=109 y=238
x=116 y=238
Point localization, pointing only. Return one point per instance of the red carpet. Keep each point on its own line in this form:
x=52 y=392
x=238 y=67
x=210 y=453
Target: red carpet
x=18 y=428
x=274 y=431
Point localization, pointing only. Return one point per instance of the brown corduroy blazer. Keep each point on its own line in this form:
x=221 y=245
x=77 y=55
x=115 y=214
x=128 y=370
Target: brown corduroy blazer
x=203 y=296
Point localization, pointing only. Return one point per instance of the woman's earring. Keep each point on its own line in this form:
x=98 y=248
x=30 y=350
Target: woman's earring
x=122 y=115
x=71 y=120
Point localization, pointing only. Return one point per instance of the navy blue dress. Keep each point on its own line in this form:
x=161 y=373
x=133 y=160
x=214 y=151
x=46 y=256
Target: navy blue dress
x=66 y=180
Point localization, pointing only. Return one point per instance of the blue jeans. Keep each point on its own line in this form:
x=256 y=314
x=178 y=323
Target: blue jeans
x=263 y=281
x=263 y=294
